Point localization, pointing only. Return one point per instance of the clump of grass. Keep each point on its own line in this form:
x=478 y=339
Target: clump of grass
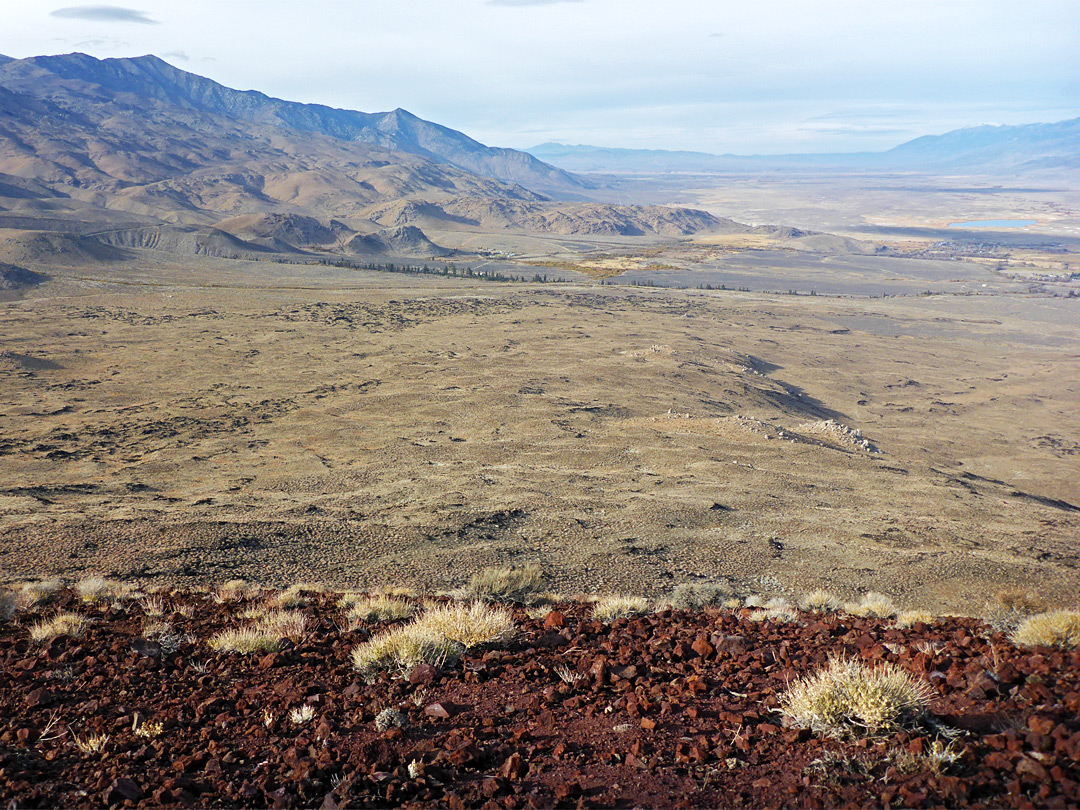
x=439 y=636
x=375 y=608
x=609 y=608
x=848 y=695
x=32 y=594
x=518 y=586
x=820 y=602
x=1055 y=628
x=297 y=595
x=872 y=605
x=153 y=605
x=696 y=595
x=96 y=589
x=62 y=624
x=263 y=636
x=236 y=590
x=405 y=647
x=91 y=743
x=469 y=625
x=909 y=618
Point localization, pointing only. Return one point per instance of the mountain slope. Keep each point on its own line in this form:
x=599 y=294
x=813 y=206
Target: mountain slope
x=131 y=83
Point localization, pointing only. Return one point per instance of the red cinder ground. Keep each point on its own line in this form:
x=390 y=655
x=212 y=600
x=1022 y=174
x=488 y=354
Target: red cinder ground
x=674 y=709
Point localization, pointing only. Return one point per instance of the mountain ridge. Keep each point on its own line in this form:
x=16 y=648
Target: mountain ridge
x=132 y=81
x=1015 y=148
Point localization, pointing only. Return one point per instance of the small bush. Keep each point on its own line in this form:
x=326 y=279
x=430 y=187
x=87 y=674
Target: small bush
x=872 y=605
x=520 y=586
x=820 y=602
x=1056 y=628
x=391 y=718
x=696 y=595
x=609 y=608
x=847 y=694
x=62 y=624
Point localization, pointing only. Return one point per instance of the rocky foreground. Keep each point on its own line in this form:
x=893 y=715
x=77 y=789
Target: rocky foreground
x=670 y=709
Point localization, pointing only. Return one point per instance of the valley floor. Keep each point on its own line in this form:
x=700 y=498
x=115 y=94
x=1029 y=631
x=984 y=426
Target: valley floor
x=196 y=420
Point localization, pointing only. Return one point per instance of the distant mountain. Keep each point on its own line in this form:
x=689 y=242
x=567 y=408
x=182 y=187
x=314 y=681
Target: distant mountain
x=1005 y=148
x=984 y=149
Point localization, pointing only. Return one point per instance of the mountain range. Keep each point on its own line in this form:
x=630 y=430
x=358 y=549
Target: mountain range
x=993 y=150
x=137 y=153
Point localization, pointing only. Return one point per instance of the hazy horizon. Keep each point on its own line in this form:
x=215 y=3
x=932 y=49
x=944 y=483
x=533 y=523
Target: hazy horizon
x=780 y=78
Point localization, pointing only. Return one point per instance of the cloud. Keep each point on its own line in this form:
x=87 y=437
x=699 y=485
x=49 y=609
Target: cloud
x=529 y=2
x=103 y=14
x=176 y=55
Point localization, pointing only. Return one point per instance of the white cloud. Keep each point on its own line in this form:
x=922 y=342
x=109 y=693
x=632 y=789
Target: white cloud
x=104 y=14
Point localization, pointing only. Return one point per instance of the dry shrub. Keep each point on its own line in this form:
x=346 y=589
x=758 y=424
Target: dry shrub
x=847 y=695
x=520 y=586
x=439 y=637
x=609 y=608
x=1020 y=600
x=1056 y=628
x=1011 y=606
x=872 y=605
x=820 y=602
x=696 y=595
x=62 y=624
x=264 y=635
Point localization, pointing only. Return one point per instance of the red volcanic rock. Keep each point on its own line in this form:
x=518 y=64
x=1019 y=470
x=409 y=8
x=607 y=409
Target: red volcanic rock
x=423 y=674
x=677 y=710
x=554 y=620
x=439 y=710
x=123 y=789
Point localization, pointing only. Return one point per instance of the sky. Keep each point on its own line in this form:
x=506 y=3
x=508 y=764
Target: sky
x=762 y=77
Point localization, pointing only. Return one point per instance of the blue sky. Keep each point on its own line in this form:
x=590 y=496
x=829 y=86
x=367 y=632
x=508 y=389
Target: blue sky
x=766 y=77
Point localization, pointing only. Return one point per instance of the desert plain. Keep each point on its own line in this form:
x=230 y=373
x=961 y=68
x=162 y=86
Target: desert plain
x=885 y=407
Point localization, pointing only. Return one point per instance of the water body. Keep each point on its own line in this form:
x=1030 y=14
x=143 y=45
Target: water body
x=995 y=223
